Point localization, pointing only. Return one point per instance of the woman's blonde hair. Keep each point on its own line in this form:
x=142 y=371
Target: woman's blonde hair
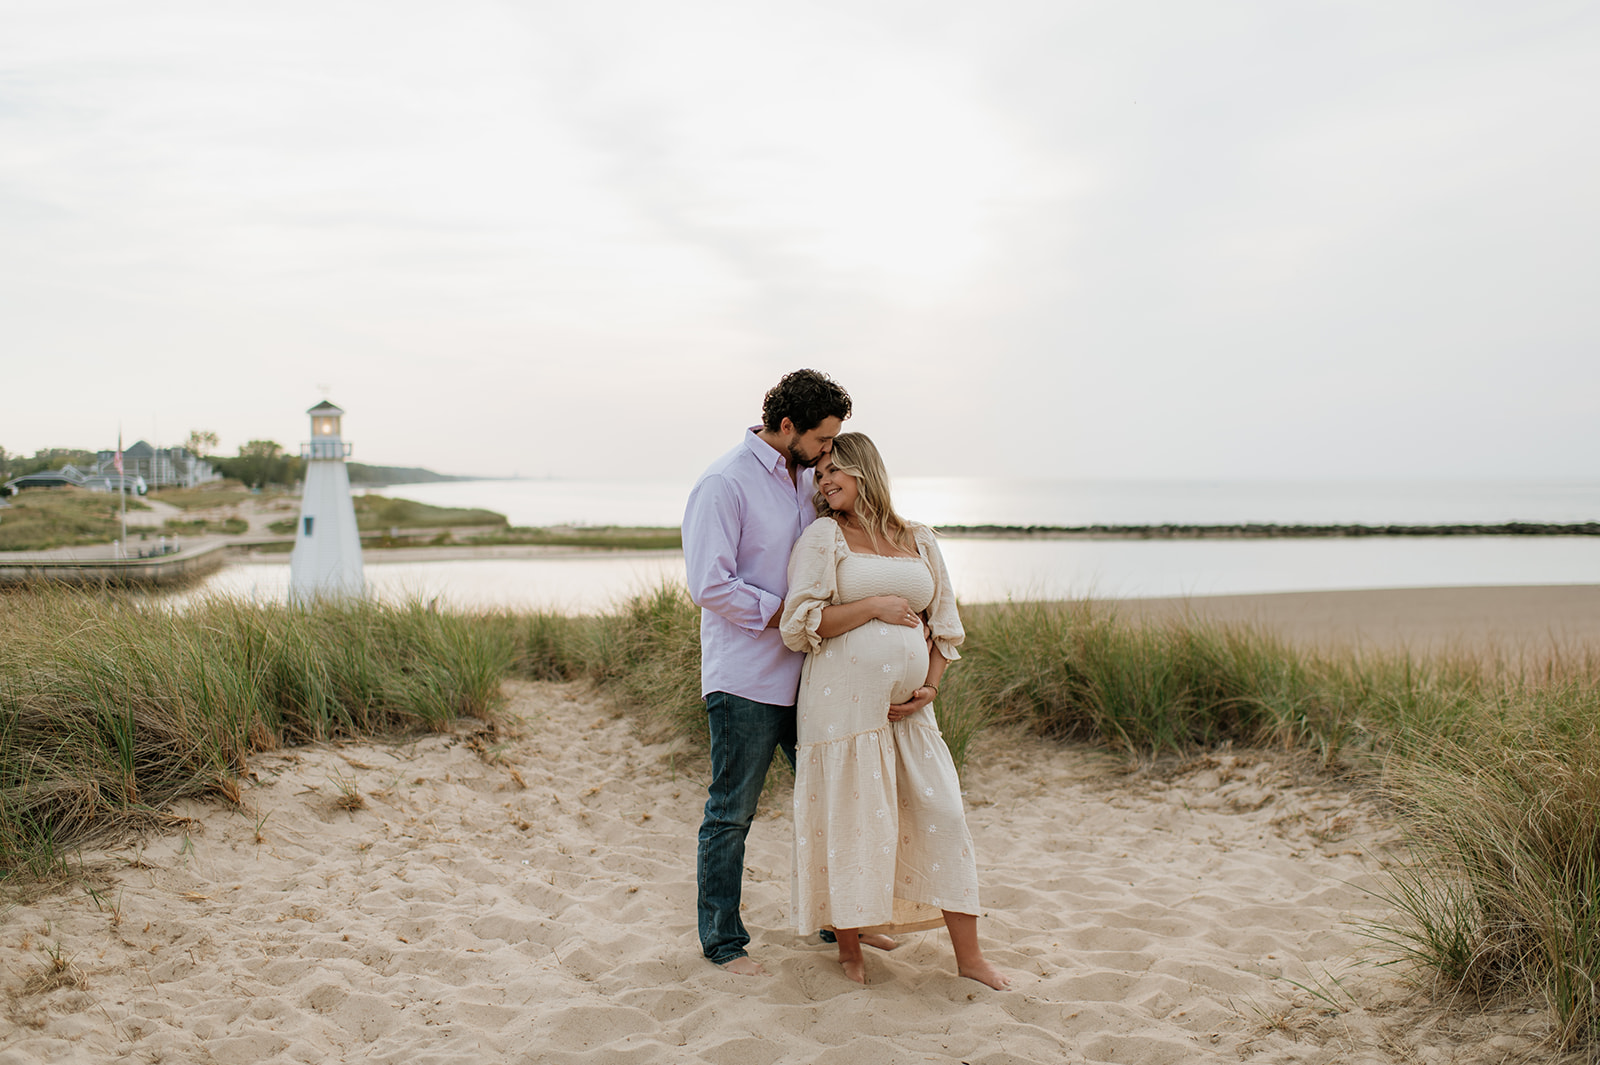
x=857 y=455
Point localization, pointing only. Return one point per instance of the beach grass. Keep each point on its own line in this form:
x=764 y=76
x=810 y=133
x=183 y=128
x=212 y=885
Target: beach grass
x=109 y=711
x=199 y=527
x=375 y=513
x=603 y=537
x=42 y=518
x=223 y=493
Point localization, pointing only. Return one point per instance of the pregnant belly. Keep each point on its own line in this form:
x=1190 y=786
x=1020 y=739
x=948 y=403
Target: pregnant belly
x=898 y=652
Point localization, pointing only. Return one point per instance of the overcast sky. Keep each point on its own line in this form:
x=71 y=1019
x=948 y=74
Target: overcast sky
x=1124 y=238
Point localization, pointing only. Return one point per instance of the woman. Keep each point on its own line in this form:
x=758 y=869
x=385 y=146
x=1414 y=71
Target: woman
x=881 y=842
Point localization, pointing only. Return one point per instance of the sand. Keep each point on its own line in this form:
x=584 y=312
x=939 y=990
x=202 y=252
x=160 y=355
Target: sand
x=529 y=897
x=1531 y=619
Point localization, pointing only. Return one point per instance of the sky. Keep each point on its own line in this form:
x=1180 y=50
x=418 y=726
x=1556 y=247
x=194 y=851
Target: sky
x=1176 y=239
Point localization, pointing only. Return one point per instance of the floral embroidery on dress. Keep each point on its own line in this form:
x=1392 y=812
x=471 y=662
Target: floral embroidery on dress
x=870 y=667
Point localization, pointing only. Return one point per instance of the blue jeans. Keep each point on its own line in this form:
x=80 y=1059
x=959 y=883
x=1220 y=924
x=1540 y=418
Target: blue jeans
x=744 y=733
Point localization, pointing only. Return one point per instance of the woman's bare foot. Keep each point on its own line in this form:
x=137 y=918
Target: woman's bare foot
x=985 y=973
x=745 y=965
x=970 y=961
x=879 y=940
x=855 y=967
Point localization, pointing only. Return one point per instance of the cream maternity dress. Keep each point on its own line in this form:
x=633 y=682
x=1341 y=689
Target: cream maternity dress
x=881 y=841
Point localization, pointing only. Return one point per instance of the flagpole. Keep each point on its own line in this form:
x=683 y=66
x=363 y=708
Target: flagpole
x=122 y=490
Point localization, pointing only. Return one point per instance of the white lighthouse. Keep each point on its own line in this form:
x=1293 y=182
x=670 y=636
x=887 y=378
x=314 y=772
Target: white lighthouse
x=327 y=547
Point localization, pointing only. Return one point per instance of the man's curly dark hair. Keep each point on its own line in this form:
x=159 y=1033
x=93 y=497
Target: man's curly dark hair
x=805 y=397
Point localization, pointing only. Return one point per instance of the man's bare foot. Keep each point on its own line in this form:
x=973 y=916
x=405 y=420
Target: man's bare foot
x=877 y=939
x=985 y=973
x=745 y=966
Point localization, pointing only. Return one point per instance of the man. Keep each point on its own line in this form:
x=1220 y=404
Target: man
x=742 y=519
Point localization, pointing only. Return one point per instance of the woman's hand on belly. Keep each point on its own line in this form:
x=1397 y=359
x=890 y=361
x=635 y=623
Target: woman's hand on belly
x=890 y=609
x=894 y=610
x=919 y=698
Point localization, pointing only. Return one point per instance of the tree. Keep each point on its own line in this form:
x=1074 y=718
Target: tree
x=201 y=442
x=258 y=461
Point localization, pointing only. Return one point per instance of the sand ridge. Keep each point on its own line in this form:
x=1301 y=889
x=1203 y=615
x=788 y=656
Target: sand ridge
x=469 y=897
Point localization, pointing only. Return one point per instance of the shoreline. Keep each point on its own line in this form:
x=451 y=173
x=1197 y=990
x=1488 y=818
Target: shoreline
x=1259 y=531
x=1520 y=616
x=1508 y=618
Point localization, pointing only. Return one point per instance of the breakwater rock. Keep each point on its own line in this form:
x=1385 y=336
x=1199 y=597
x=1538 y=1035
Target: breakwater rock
x=1262 y=532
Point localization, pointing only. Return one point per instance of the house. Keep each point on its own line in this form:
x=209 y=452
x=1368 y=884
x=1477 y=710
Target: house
x=69 y=476
x=159 y=467
x=114 y=482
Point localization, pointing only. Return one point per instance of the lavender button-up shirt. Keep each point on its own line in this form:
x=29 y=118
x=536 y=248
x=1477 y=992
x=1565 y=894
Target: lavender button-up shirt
x=741 y=522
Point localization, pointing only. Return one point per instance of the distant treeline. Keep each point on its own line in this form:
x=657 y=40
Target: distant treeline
x=361 y=473
x=1264 y=531
x=50 y=458
x=258 y=464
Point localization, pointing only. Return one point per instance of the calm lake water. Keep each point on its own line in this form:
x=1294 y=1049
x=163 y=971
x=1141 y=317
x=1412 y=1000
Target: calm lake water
x=1022 y=501
x=992 y=570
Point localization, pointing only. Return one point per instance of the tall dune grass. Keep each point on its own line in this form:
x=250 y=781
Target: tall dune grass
x=109 y=711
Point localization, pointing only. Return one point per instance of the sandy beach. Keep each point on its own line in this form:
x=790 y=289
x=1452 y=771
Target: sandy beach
x=1510 y=619
x=528 y=896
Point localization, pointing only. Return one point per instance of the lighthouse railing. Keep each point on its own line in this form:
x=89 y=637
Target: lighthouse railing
x=325 y=449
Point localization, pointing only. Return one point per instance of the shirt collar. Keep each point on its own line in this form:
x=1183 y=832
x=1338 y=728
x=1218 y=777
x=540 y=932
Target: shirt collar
x=765 y=453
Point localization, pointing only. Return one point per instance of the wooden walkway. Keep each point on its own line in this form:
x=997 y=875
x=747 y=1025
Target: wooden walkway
x=96 y=567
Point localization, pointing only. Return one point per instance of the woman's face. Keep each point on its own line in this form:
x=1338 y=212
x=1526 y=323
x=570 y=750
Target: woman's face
x=836 y=486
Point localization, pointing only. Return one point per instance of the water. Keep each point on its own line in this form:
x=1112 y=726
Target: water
x=1023 y=501
x=993 y=570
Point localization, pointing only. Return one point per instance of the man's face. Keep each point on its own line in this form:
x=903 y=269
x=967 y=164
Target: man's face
x=807 y=448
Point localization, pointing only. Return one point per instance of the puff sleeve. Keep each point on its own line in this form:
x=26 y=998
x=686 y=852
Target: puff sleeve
x=813 y=584
x=944 y=622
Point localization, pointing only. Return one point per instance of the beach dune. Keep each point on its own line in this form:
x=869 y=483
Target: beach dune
x=529 y=896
